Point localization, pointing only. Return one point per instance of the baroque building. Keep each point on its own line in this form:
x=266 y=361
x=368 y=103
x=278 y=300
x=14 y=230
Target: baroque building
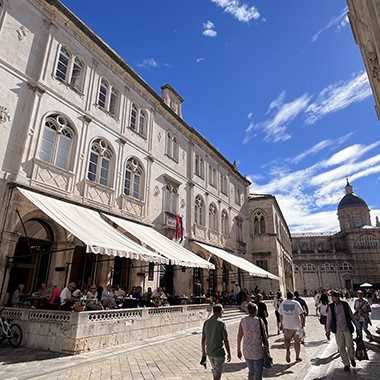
x=87 y=145
x=364 y=16
x=339 y=260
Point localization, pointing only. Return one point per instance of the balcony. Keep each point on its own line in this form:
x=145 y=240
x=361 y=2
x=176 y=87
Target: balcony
x=97 y=194
x=170 y=220
x=132 y=206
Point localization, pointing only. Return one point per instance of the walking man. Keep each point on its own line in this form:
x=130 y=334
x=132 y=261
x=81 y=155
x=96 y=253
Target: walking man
x=362 y=309
x=340 y=322
x=292 y=321
x=214 y=340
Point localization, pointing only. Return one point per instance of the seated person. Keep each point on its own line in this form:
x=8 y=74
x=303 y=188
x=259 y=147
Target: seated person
x=147 y=299
x=18 y=295
x=119 y=292
x=54 y=299
x=92 y=302
x=108 y=298
x=66 y=298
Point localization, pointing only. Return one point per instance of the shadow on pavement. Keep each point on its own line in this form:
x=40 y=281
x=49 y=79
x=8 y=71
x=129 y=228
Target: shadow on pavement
x=326 y=360
x=278 y=370
x=9 y=355
x=315 y=343
x=234 y=367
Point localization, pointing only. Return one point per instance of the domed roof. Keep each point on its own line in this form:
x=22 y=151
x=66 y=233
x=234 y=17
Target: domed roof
x=351 y=200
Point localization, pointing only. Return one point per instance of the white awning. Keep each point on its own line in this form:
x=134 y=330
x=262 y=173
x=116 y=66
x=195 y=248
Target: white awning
x=239 y=262
x=88 y=226
x=176 y=253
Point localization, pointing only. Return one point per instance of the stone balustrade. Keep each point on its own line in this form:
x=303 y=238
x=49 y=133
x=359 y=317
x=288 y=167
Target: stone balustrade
x=71 y=332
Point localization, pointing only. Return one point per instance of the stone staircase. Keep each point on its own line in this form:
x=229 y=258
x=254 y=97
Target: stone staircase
x=232 y=314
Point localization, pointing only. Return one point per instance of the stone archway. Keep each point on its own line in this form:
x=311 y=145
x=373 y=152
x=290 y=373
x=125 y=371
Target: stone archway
x=30 y=263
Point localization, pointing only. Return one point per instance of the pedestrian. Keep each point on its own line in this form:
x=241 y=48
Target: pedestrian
x=255 y=343
x=362 y=320
x=340 y=321
x=292 y=321
x=276 y=304
x=262 y=311
x=302 y=302
x=215 y=342
x=317 y=298
x=323 y=308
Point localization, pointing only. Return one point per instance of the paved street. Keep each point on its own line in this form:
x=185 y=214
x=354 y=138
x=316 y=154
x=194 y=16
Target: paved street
x=178 y=358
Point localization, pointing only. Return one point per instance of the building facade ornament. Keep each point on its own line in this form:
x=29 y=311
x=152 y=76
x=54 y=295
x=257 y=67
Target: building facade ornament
x=5 y=116
x=22 y=32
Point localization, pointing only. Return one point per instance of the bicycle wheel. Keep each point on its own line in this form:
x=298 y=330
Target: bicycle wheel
x=16 y=335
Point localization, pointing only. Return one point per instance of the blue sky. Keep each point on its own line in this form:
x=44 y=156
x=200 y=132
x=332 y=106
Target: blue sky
x=277 y=86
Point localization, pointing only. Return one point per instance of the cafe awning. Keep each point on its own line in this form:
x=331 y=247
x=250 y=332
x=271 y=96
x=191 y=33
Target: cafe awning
x=176 y=253
x=89 y=227
x=239 y=262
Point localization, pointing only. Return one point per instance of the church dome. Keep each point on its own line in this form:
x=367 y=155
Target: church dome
x=351 y=200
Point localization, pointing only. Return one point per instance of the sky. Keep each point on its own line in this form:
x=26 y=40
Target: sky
x=278 y=86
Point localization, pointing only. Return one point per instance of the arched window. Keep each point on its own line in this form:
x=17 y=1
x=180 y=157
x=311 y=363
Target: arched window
x=70 y=69
x=171 y=198
x=56 y=142
x=133 y=118
x=99 y=167
x=225 y=224
x=258 y=223
x=239 y=229
x=143 y=123
x=213 y=217
x=134 y=179
x=199 y=211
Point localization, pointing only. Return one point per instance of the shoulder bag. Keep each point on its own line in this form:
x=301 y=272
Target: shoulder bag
x=268 y=361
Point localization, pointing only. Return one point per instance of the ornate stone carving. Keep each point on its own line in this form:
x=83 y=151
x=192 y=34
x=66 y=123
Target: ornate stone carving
x=5 y=116
x=22 y=32
x=373 y=63
x=182 y=203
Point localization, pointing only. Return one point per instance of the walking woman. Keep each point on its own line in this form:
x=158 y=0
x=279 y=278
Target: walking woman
x=323 y=308
x=255 y=343
x=276 y=303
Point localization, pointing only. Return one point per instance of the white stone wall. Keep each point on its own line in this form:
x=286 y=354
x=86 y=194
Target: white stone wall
x=31 y=34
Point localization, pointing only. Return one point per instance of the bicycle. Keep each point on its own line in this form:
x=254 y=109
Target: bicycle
x=11 y=331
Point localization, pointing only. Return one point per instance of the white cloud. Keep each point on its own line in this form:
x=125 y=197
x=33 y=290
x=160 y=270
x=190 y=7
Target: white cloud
x=309 y=196
x=209 y=29
x=338 y=96
x=324 y=144
x=337 y=22
x=200 y=59
x=149 y=63
x=275 y=128
x=240 y=11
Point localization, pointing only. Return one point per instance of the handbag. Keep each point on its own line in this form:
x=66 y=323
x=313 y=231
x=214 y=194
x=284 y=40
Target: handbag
x=323 y=319
x=267 y=360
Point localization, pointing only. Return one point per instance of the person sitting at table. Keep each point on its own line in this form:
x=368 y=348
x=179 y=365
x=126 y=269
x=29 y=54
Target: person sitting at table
x=119 y=292
x=43 y=291
x=18 y=295
x=54 y=300
x=147 y=298
x=92 y=302
x=108 y=298
x=66 y=299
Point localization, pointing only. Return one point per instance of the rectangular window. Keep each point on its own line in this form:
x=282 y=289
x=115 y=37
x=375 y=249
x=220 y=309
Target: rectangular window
x=76 y=75
x=237 y=195
x=114 y=101
x=63 y=64
x=197 y=165
x=262 y=264
x=104 y=170
x=92 y=168
x=102 y=99
x=133 y=123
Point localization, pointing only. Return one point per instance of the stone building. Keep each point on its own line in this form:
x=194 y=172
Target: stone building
x=364 y=16
x=268 y=242
x=339 y=260
x=85 y=138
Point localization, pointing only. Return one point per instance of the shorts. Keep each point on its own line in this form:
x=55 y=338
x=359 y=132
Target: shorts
x=255 y=368
x=289 y=335
x=217 y=364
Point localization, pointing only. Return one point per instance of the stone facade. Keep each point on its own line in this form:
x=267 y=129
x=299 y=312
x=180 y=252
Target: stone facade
x=364 y=18
x=77 y=123
x=340 y=260
x=268 y=242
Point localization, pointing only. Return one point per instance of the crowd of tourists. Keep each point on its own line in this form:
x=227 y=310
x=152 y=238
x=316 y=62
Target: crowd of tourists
x=335 y=315
x=72 y=298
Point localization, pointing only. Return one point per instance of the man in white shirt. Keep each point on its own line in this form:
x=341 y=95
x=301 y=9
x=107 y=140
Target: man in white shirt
x=66 y=299
x=292 y=320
